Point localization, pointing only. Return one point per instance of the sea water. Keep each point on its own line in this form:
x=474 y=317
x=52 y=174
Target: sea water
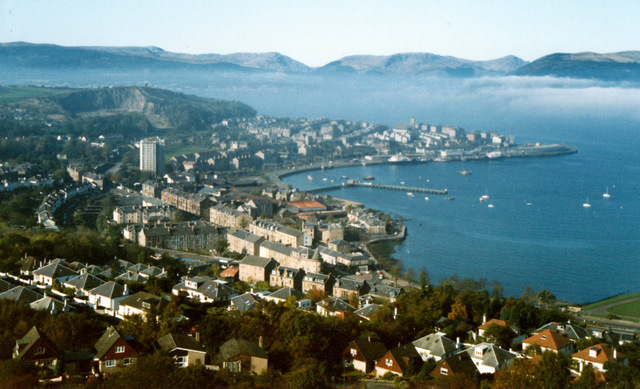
x=538 y=233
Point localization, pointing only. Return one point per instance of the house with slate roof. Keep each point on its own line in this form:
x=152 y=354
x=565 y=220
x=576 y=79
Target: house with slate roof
x=281 y=295
x=254 y=269
x=346 y=286
x=37 y=348
x=383 y=291
x=570 y=330
x=244 y=302
x=332 y=306
x=153 y=271
x=399 y=361
x=318 y=281
x=597 y=355
x=185 y=350
x=490 y=358
x=435 y=346
x=286 y=277
x=362 y=354
x=244 y=242
x=239 y=355
x=51 y=305
x=549 y=340
x=107 y=296
x=458 y=367
x=46 y=275
x=21 y=294
x=5 y=285
x=142 y=304
x=205 y=289
x=128 y=276
x=83 y=284
x=114 y=352
x=367 y=311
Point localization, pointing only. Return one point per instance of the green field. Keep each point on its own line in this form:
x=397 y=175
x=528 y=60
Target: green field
x=631 y=309
x=16 y=93
x=610 y=301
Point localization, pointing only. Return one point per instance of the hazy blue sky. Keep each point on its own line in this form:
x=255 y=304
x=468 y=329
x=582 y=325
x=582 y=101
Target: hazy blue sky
x=317 y=32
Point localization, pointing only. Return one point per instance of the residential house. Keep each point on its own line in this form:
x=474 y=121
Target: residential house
x=367 y=311
x=239 y=355
x=244 y=242
x=193 y=203
x=549 y=340
x=332 y=306
x=380 y=291
x=186 y=350
x=345 y=287
x=142 y=304
x=459 y=367
x=570 y=330
x=305 y=206
x=296 y=257
x=435 y=346
x=107 y=296
x=230 y=274
x=254 y=269
x=52 y=272
x=225 y=216
x=399 y=361
x=278 y=233
x=362 y=354
x=289 y=277
x=283 y=294
x=114 y=352
x=245 y=302
x=597 y=355
x=37 y=348
x=21 y=294
x=317 y=281
x=490 y=358
x=83 y=284
x=187 y=236
x=49 y=304
x=205 y=289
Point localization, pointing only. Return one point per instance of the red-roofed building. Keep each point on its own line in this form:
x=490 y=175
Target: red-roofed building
x=305 y=206
x=597 y=355
x=551 y=341
x=231 y=273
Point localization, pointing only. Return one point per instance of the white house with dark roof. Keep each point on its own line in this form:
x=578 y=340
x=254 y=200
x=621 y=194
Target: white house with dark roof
x=83 y=284
x=185 y=350
x=52 y=272
x=435 y=346
x=568 y=329
x=283 y=294
x=107 y=296
x=205 y=290
x=50 y=304
x=489 y=358
x=245 y=302
x=21 y=294
x=142 y=304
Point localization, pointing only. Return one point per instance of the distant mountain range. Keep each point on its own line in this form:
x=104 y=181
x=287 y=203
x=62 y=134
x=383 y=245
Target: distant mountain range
x=614 y=66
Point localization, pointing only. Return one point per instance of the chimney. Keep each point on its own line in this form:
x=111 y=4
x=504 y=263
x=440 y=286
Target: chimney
x=198 y=336
x=260 y=341
x=484 y=318
x=615 y=354
x=369 y=338
x=457 y=342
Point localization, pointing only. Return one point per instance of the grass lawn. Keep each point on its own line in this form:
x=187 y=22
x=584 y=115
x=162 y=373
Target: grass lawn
x=611 y=300
x=170 y=153
x=627 y=309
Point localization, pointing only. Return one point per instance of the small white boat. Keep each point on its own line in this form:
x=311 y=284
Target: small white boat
x=586 y=205
x=606 y=194
x=309 y=178
x=481 y=199
x=401 y=182
x=528 y=203
x=409 y=194
x=426 y=198
x=490 y=205
x=324 y=179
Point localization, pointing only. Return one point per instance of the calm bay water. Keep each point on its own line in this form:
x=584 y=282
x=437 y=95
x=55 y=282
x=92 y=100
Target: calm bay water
x=579 y=254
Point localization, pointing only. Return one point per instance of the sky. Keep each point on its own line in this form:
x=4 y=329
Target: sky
x=318 y=32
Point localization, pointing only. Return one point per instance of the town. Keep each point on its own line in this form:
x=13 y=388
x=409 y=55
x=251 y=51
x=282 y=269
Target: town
x=202 y=256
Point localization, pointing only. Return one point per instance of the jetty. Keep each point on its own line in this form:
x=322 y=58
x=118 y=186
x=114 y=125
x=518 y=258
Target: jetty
x=371 y=185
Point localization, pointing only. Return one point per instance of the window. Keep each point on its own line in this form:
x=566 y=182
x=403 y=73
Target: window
x=39 y=350
x=354 y=352
x=388 y=362
x=120 y=349
x=182 y=361
x=128 y=361
x=110 y=363
x=444 y=371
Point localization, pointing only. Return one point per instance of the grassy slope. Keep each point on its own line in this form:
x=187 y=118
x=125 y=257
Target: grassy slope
x=627 y=309
x=611 y=300
x=16 y=93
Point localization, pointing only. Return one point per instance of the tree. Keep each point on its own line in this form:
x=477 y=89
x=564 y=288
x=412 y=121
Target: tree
x=500 y=334
x=553 y=370
x=221 y=245
x=546 y=297
x=587 y=378
x=410 y=274
x=395 y=273
x=521 y=375
x=423 y=278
